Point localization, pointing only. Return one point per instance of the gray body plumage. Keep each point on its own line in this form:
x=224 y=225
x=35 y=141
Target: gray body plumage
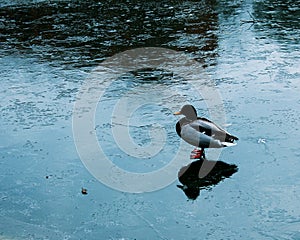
x=198 y=139
x=201 y=132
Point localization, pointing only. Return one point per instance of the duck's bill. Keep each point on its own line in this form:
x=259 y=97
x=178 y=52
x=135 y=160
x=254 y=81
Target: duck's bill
x=177 y=113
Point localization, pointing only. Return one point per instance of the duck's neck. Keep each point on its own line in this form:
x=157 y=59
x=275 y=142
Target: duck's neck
x=191 y=118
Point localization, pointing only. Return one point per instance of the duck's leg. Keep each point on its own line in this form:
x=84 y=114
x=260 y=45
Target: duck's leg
x=197 y=154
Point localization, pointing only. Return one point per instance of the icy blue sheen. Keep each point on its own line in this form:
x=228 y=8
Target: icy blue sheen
x=249 y=48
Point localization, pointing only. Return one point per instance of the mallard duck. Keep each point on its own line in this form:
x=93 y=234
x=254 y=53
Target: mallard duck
x=201 y=132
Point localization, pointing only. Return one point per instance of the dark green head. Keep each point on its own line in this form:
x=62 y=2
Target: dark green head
x=189 y=111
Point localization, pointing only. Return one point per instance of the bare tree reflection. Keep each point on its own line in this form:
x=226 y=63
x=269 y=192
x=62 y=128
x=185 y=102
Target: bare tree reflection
x=86 y=32
x=278 y=19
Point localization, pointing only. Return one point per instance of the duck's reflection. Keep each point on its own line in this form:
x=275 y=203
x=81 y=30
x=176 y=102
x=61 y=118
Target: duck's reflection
x=201 y=174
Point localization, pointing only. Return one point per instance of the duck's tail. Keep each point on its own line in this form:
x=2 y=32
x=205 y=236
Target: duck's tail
x=230 y=138
x=228 y=144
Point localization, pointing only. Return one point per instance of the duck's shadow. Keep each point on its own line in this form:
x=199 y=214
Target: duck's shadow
x=203 y=174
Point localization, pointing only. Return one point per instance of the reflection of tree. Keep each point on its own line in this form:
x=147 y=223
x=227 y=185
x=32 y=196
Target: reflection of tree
x=227 y=9
x=281 y=17
x=89 y=30
x=202 y=174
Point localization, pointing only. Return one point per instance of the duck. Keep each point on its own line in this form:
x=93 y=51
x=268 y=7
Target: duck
x=201 y=132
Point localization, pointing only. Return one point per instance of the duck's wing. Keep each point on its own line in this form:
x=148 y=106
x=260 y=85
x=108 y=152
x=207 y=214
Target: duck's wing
x=211 y=129
x=199 y=139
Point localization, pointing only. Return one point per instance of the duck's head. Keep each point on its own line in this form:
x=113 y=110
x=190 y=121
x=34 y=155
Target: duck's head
x=189 y=111
x=191 y=192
